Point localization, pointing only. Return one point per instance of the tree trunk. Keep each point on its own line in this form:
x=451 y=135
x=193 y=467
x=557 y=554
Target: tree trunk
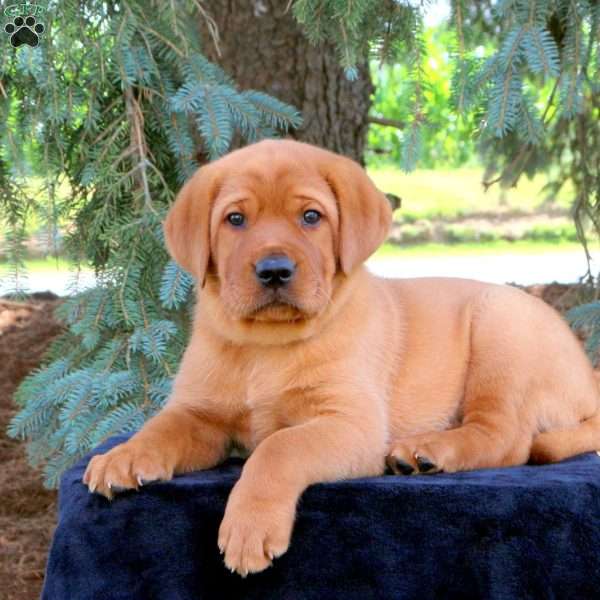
x=263 y=48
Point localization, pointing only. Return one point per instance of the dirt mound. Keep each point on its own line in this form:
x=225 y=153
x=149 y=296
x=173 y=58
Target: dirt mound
x=27 y=510
x=562 y=296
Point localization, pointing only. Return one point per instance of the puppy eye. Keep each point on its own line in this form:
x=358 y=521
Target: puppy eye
x=236 y=219
x=311 y=217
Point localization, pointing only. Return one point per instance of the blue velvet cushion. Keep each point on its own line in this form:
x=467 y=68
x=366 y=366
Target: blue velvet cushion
x=526 y=532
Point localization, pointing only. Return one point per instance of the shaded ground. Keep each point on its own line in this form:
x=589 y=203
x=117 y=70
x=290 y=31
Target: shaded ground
x=27 y=510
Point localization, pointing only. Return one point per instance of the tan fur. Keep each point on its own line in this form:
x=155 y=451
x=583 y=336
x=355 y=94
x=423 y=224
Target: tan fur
x=346 y=368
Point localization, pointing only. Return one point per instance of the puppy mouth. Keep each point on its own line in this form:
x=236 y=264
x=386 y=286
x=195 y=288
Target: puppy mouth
x=277 y=308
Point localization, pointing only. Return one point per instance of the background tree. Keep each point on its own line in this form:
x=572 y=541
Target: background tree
x=117 y=99
x=262 y=46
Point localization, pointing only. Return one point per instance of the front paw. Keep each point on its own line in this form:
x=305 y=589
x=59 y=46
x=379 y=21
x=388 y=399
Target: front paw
x=254 y=532
x=425 y=453
x=126 y=466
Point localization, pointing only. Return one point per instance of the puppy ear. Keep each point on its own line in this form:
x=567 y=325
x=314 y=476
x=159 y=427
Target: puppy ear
x=364 y=212
x=187 y=225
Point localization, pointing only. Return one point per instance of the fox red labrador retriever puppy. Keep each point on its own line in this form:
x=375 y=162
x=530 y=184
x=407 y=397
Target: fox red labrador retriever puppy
x=322 y=370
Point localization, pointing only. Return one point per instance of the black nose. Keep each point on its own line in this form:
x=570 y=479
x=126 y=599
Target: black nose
x=275 y=270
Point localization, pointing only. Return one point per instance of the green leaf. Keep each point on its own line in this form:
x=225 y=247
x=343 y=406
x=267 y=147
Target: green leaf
x=505 y=103
x=176 y=286
x=277 y=114
x=541 y=52
x=215 y=124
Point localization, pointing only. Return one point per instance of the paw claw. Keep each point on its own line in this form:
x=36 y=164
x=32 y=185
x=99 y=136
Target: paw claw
x=397 y=466
x=424 y=464
x=404 y=468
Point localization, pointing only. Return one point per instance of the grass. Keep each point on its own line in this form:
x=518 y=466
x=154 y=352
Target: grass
x=42 y=265
x=477 y=249
x=454 y=193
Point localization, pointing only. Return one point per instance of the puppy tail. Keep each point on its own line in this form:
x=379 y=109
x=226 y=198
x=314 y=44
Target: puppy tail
x=552 y=446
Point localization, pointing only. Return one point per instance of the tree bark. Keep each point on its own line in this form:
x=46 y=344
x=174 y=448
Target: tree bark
x=263 y=48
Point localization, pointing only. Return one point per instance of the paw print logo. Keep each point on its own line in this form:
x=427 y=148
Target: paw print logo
x=24 y=31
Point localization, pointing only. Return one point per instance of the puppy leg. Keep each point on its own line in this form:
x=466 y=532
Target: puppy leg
x=173 y=441
x=258 y=520
x=488 y=437
x=555 y=445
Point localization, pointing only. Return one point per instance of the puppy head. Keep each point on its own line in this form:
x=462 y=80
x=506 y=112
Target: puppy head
x=272 y=228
